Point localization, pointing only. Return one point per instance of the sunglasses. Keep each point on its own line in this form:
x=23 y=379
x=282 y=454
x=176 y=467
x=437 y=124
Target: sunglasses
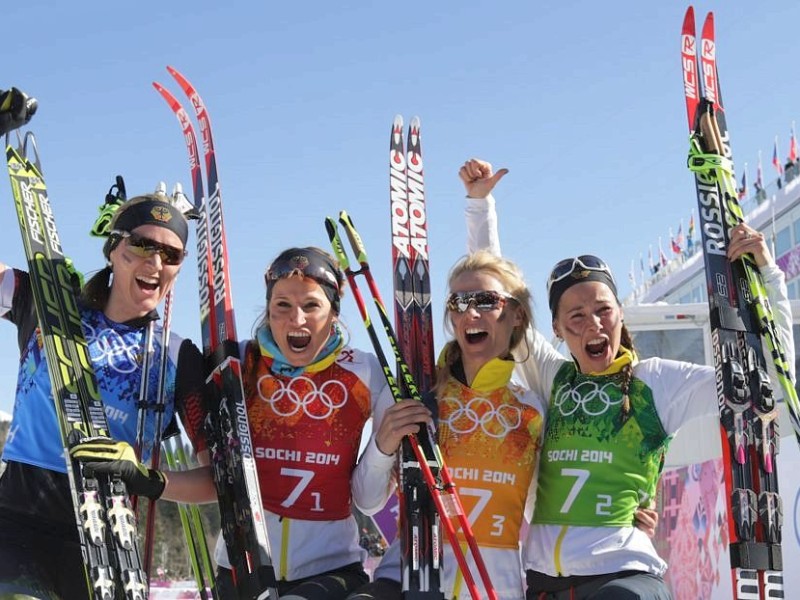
x=144 y=247
x=300 y=264
x=483 y=300
x=568 y=266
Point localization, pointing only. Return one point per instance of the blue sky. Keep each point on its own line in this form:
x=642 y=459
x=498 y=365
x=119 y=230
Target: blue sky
x=582 y=101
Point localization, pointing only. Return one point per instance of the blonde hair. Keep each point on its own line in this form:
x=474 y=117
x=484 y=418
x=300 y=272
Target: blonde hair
x=513 y=281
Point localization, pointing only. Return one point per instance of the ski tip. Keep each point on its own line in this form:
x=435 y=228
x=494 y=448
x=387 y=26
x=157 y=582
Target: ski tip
x=688 y=22
x=708 y=26
x=397 y=122
x=415 y=124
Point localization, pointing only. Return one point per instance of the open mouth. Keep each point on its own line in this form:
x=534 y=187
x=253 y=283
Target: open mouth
x=475 y=336
x=148 y=284
x=597 y=347
x=298 y=340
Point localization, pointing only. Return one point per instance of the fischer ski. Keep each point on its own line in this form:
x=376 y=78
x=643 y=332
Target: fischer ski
x=439 y=483
x=740 y=316
x=105 y=520
x=419 y=525
x=227 y=427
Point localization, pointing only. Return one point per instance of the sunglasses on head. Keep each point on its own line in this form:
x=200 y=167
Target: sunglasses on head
x=144 y=247
x=300 y=264
x=568 y=266
x=483 y=300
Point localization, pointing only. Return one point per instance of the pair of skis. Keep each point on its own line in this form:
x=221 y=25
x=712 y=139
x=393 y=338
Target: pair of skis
x=436 y=479
x=227 y=427
x=105 y=520
x=740 y=316
x=419 y=523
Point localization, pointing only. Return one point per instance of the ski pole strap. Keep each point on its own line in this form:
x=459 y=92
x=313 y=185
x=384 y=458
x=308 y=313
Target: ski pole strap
x=703 y=162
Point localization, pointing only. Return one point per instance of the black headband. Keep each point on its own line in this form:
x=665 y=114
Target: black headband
x=310 y=262
x=151 y=210
x=578 y=276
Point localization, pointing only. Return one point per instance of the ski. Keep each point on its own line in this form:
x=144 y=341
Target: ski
x=103 y=514
x=439 y=483
x=740 y=315
x=227 y=427
x=419 y=525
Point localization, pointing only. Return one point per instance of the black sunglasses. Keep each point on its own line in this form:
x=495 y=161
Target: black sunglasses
x=144 y=247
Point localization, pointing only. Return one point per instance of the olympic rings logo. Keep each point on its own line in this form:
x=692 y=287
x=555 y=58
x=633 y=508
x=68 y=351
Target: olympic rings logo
x=301 y=393
x=592 y=399
x=480 y=412
x=113 y=350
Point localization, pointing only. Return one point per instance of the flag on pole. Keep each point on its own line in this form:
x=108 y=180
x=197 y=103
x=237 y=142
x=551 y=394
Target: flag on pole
x=650 y=262
x=759 y=175
x=743 y=190
x=632 y=274
x=775 y=160
x=674 y=244
x=793 y=146
x=641 y=266
x=690 y=235
x=662 y=258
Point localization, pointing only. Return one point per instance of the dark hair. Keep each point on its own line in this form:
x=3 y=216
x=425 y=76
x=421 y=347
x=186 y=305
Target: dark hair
x=334 y=295
x=626 y=341
x=97 y=289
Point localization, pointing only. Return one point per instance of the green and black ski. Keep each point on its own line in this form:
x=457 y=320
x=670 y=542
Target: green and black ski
x=105 y=521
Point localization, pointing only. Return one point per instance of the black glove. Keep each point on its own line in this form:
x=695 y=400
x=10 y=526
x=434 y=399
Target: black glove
x=16 y=109
x=104 y=455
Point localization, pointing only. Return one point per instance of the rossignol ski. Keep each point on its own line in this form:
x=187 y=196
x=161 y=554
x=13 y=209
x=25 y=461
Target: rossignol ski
x=419 y=524
x=105 y=520
x=227 y=427
x=440 y=484
x=740 y=316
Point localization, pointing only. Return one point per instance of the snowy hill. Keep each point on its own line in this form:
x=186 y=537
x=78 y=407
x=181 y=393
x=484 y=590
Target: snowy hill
x=4 y=416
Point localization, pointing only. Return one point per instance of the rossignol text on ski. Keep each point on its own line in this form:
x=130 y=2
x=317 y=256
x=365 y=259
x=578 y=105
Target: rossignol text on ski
x=740 y=317
x=227 y=426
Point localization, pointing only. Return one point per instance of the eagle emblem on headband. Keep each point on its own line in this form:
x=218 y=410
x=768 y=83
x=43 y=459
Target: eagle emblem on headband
x=161 y=213
x=580 y=274
x=299 y=262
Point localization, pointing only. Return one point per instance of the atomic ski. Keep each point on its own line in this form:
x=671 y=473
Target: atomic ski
x=419 y=524
x=105 y=520
x=439 y=483
x=227 y=426
x=740 y=316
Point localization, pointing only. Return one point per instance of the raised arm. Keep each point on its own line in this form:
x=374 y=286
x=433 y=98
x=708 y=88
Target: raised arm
x=479 y=180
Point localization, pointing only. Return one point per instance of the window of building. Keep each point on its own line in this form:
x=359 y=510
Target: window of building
x=792 y=289
x=796 y=228
x=783 y=241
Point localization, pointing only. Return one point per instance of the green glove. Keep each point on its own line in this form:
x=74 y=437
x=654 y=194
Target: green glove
x=104 y=455
x=16 y=109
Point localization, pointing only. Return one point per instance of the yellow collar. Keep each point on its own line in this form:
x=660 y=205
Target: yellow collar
x=493 y=375
x=624 y=357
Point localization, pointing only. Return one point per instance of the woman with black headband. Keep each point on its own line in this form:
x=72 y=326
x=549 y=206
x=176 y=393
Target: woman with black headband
x=308 y=397
x=610 y=407
x=144 y=249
